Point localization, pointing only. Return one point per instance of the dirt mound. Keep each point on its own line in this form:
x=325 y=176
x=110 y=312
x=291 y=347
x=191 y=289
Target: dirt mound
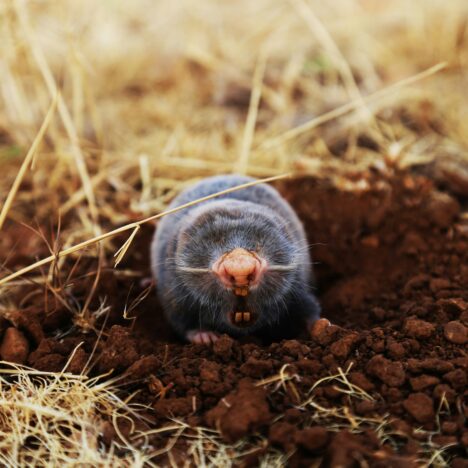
x=383 y=384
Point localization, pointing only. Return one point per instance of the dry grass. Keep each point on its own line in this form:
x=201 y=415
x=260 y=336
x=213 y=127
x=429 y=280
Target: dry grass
x=50 y=419
x=343 y=416
x=149 y=96
x=47 y=419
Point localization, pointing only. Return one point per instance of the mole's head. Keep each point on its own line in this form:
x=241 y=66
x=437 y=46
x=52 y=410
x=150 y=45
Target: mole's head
x=237 y=262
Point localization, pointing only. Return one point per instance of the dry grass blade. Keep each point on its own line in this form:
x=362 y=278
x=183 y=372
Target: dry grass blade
x=348 y=107
x=281 y=379
x=252 y=114
x=27 y=160
x=119 y=255
x=127 y=227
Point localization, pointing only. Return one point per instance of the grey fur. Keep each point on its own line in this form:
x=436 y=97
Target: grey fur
x=257 y=218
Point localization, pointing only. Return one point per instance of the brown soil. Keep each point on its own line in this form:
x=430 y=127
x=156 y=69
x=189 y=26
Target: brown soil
x=392 y=276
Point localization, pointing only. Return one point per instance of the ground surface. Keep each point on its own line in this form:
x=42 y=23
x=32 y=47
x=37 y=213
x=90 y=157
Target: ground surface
x=363 y=101
x=392 y=276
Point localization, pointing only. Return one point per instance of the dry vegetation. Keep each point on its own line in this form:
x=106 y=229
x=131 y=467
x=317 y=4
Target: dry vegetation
x=60 y=418
x=138 y=99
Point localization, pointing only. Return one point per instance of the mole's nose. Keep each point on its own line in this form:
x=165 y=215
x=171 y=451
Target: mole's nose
x=239 y=268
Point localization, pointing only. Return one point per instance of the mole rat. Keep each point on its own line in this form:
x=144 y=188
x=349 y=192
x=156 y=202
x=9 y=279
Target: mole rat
x=236 y=264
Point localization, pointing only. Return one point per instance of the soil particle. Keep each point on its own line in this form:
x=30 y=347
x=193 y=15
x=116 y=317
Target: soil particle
x=318 y=328
x=282 y=434
x=223 y=347
x=361 y=381
x=449 y=427
x=417 y=328
x=343 y=347
x=309 y=366
x=435 y=365
x=78 y=362
x=52 y=355
x=444 y=392
x=174 y=407
x=389 y=372
x=312 y=438
x=401 y=427
x=294 y=348
x=395 y=350
x=144 y=367
x=256 y=367
x=28 y=321
x=14 y=347
x=347 y=450
x=120 y=352
x=423 y=381
x=241 y=412
x=210 y=371
x=454 y=306
x=365 y=407
x=343 y=449
x=420 y=406
x=456 y=332
x=53 y=362
x=457 y=379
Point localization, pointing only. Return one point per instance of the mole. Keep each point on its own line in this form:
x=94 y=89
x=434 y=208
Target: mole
x=237 y=264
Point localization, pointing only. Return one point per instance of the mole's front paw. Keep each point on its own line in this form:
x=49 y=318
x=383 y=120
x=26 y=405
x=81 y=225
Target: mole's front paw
x=201 y=337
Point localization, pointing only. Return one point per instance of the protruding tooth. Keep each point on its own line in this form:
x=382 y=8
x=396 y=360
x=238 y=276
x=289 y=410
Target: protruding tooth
x=241 y=291
x=246 y=316
x=238 y=317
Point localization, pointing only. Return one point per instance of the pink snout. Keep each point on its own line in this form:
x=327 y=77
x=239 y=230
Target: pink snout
x=239 y=268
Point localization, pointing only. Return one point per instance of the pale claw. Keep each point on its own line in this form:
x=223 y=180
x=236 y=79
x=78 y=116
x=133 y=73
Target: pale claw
x=202 y=337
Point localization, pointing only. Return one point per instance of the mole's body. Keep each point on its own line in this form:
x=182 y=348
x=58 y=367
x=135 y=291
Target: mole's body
x=235 y=264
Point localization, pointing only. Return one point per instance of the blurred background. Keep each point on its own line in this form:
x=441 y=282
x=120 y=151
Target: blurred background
x=154 y=94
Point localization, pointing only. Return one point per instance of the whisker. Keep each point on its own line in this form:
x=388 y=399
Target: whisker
x=193 y=270
x=290 y=267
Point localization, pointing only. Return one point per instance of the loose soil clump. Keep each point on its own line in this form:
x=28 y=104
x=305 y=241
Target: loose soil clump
x=381 y=379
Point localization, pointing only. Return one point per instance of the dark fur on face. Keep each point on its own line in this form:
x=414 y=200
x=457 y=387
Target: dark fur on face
x=220 y=229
